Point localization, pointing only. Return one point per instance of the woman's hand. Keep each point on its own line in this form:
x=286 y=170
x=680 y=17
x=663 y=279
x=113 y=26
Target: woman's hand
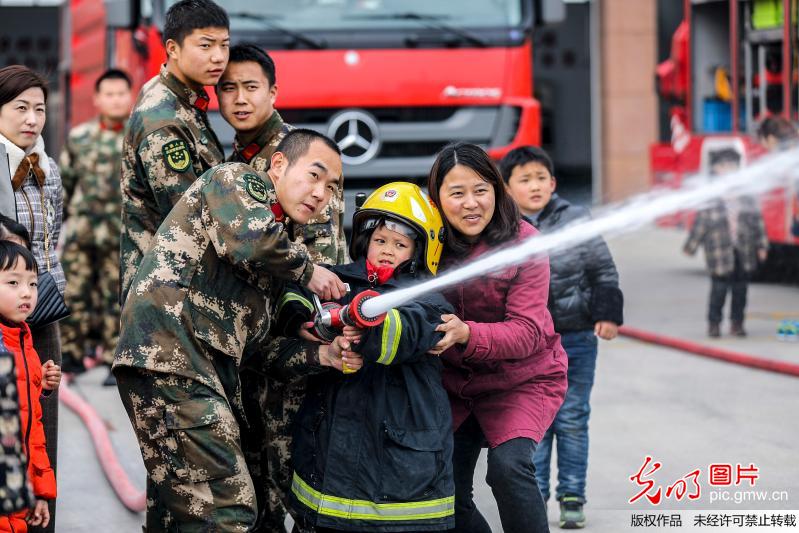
x=339 y=356
x=605 y=329
x=455 y=332
x=39 y=515
x=51 y=375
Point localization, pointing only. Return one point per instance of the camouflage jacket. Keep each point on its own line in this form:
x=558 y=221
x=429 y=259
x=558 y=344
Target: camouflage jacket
x=258 y=152
x=167 y=145
x=323 y=235
x=90 y=173
x=200 y=300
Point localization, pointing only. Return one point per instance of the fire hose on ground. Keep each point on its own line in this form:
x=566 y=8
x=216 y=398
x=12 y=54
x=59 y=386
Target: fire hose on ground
x=711 y=352
x=131 y=497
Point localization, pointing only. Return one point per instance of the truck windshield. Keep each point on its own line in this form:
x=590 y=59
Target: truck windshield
x=325 y=15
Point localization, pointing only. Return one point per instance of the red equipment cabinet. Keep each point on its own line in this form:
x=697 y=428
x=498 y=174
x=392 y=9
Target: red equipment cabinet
x=722 y=33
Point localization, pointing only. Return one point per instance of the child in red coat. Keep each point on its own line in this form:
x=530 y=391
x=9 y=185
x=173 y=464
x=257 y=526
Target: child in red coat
x=18 y=294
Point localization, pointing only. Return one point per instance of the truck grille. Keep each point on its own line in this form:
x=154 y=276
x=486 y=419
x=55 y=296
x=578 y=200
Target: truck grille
x=382 y=114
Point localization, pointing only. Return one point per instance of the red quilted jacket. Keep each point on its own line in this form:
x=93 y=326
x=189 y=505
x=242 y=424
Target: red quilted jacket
x=29 y=388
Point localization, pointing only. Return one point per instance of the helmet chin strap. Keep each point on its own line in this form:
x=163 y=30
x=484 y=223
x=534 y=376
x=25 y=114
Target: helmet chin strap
x=380 y=274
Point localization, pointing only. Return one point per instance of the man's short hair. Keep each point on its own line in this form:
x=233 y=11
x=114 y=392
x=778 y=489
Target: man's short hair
x=521 y=156
x=250 y=52
x=296 y=143
x=112 y=74
x=186 y=16
x=724 y=155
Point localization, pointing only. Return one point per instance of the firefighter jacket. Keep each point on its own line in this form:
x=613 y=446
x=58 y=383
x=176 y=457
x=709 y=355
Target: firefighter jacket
x=373 y=449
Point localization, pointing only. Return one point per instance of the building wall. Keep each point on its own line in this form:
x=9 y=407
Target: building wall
x=628 y=41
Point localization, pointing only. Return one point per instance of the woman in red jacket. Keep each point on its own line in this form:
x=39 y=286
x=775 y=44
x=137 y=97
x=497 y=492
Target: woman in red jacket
x=18 y=292
x=504 y=367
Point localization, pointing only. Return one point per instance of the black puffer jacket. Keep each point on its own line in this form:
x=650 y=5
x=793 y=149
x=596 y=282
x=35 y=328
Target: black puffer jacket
x=583 y=283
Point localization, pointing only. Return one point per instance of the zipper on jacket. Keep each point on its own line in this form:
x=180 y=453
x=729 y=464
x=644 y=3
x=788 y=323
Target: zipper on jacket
x=28 y=387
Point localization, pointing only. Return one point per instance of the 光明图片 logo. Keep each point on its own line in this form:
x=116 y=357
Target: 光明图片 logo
x=690 y=485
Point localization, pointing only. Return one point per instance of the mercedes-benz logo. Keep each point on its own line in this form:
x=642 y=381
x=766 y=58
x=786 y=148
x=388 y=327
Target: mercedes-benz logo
x=356 y=133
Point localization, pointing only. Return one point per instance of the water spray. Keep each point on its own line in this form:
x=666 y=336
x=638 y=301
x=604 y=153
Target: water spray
x=765 y=174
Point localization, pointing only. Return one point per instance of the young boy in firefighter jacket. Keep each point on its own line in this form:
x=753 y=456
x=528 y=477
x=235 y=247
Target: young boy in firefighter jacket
x=373 y=447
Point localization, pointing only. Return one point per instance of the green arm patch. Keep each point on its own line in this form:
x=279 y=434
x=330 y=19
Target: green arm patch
x=256 y=188
x=177 y=155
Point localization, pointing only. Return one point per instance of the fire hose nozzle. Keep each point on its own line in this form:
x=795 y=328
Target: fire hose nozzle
x=354 y=315
x=330 y=317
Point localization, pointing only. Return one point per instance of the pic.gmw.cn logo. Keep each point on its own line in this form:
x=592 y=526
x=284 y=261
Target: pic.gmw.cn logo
x=690 y=485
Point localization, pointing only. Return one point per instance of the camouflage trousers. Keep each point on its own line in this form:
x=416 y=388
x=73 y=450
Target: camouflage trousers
x=92 y=294
x=197 y=479
x=271 y=407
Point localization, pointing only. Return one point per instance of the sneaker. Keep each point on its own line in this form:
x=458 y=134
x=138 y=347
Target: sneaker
x=571 y=513
x=737 y=329
x=714 y=331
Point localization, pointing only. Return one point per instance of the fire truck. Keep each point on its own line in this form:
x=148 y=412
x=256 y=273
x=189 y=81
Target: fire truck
x=732 y=63
x=391 y=81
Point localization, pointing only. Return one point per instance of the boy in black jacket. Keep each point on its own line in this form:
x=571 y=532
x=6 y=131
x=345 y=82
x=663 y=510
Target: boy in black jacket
x=585 y=302
x=373 y=446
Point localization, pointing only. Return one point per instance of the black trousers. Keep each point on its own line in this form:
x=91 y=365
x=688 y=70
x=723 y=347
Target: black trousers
x=736 y=282
x=47 y=342
x=511 y=476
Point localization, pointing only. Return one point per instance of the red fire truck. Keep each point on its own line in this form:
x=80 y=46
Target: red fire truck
x=732 y=63
x=392 y=81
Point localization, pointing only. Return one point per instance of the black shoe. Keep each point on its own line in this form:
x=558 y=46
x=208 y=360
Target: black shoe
x=714 y=331
x=110 y=380
x=737 y=329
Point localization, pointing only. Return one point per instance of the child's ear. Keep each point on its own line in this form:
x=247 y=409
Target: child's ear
x=554 y=183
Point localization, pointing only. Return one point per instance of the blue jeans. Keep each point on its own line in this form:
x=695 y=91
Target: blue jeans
x=570 y=427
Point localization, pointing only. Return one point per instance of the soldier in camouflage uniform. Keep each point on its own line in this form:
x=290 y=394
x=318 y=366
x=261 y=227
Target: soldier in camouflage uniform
x=169 y=140
x=247 y=92
x=200 y=303
x=90 y=172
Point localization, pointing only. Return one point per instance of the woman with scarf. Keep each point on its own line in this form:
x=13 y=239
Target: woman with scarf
x=39 y=198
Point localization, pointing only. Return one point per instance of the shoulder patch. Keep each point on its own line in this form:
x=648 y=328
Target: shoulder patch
x=256 y=188
x=176 y=155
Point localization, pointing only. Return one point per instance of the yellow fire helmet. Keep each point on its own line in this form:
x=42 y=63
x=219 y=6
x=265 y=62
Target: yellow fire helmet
x=409 y=205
